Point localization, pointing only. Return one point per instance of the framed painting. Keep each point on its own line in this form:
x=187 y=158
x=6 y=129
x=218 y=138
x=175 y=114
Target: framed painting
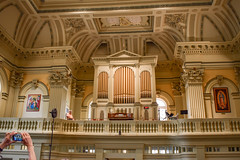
x=221 y=100
x=33 y=103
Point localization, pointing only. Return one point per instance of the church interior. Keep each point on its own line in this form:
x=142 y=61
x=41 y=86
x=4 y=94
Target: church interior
x=129 y=79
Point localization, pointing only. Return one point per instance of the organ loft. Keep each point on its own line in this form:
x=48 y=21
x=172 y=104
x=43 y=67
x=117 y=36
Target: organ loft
x=124 y=87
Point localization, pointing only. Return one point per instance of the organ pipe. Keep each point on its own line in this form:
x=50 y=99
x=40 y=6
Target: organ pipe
x=145 y=83
x=124 y=85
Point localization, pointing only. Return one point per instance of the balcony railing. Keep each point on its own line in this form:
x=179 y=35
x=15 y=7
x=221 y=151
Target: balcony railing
x=155 y=128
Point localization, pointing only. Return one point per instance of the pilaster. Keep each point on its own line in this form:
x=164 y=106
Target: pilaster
x=15 y=83
x=59 y=82
x=177 y=93
x=3 y=103
x=77 y=96
x=194 y=92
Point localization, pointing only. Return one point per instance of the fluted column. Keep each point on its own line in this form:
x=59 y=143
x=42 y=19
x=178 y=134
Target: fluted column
x=59 y=82
x=15 y=83
x=194 y=92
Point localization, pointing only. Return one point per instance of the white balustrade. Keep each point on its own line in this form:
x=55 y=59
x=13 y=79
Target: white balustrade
x=174 y=127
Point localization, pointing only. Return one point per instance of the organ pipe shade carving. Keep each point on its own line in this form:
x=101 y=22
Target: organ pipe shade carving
x=145 y=82
x=103 y=85
x=124 y=85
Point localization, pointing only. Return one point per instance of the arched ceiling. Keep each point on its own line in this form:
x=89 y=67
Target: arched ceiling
x=96 y=28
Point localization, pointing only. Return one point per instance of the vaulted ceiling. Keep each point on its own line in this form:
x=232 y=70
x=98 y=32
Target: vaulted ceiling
x=102 y=28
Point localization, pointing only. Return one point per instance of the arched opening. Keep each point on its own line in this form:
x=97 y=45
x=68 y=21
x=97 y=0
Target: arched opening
x=162 y=108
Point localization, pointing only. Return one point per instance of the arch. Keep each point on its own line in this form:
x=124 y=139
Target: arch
x=145 y=84
x=225 y=81
x=124 y=85
x=86 y=111
x=26 y=90
x=103 y=85
x=88 y=99
x=28 y=86
x=220 y=82
x=166 y=97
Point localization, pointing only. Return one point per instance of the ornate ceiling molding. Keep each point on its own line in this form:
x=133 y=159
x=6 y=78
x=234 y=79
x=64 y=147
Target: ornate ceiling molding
x=207 y=48
x=94 y=5
x=43 y=53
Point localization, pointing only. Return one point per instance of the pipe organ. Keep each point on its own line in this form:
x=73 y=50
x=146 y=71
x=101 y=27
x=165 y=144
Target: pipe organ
x=124 y=84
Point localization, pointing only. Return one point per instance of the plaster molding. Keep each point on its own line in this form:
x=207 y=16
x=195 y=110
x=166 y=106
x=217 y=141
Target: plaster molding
x=16 y=79
x=77 y=90
x=176 y=88
x=193 y=75
x=59 y=79
x=182 y=49
x=40 y=53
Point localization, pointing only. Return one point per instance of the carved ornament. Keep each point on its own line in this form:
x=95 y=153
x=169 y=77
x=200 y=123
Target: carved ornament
x=176 y=21
x=73 y=25
x=16 y=79
x=193 y=75
x=60 y=79
x=176 y=88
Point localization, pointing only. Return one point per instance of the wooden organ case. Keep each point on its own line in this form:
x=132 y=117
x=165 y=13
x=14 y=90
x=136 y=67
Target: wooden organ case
x=124 y=83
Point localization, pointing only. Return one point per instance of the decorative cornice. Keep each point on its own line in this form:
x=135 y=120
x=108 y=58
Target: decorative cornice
x=91 y=6
x=40 y=53
x=193 y=75
x=207 y=48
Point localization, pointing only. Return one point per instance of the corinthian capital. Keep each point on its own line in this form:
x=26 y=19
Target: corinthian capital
x=193 y=75
x=60 y=79
x=16 y=79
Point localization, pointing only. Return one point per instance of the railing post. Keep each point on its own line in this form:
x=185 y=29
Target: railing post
x=227 y=125
x=197 y=125
x=80 y=123
x=160 y=129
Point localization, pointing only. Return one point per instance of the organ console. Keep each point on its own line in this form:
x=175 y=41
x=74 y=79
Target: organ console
x=120 y=116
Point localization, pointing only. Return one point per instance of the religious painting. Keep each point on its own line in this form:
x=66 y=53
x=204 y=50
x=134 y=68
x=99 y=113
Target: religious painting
x=221 y=100
x=33 y=103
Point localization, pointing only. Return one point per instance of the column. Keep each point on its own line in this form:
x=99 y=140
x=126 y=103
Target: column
x=99 y=154
x=15 y=83
x=177 y=93
x=45 y=105
x=137 y=85
x=76 y=101
x=237 y=73
x=208 y=103
x=200 y=152
x=153 y=88
x=110 y=84
x=194 y=92
x=139 y=152
x=3 y=104
x=59 y=82
x=20 y=106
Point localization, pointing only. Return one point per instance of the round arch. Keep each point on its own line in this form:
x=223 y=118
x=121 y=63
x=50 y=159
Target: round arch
x=220 y=82
x=33 y=88
x=86 y=109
